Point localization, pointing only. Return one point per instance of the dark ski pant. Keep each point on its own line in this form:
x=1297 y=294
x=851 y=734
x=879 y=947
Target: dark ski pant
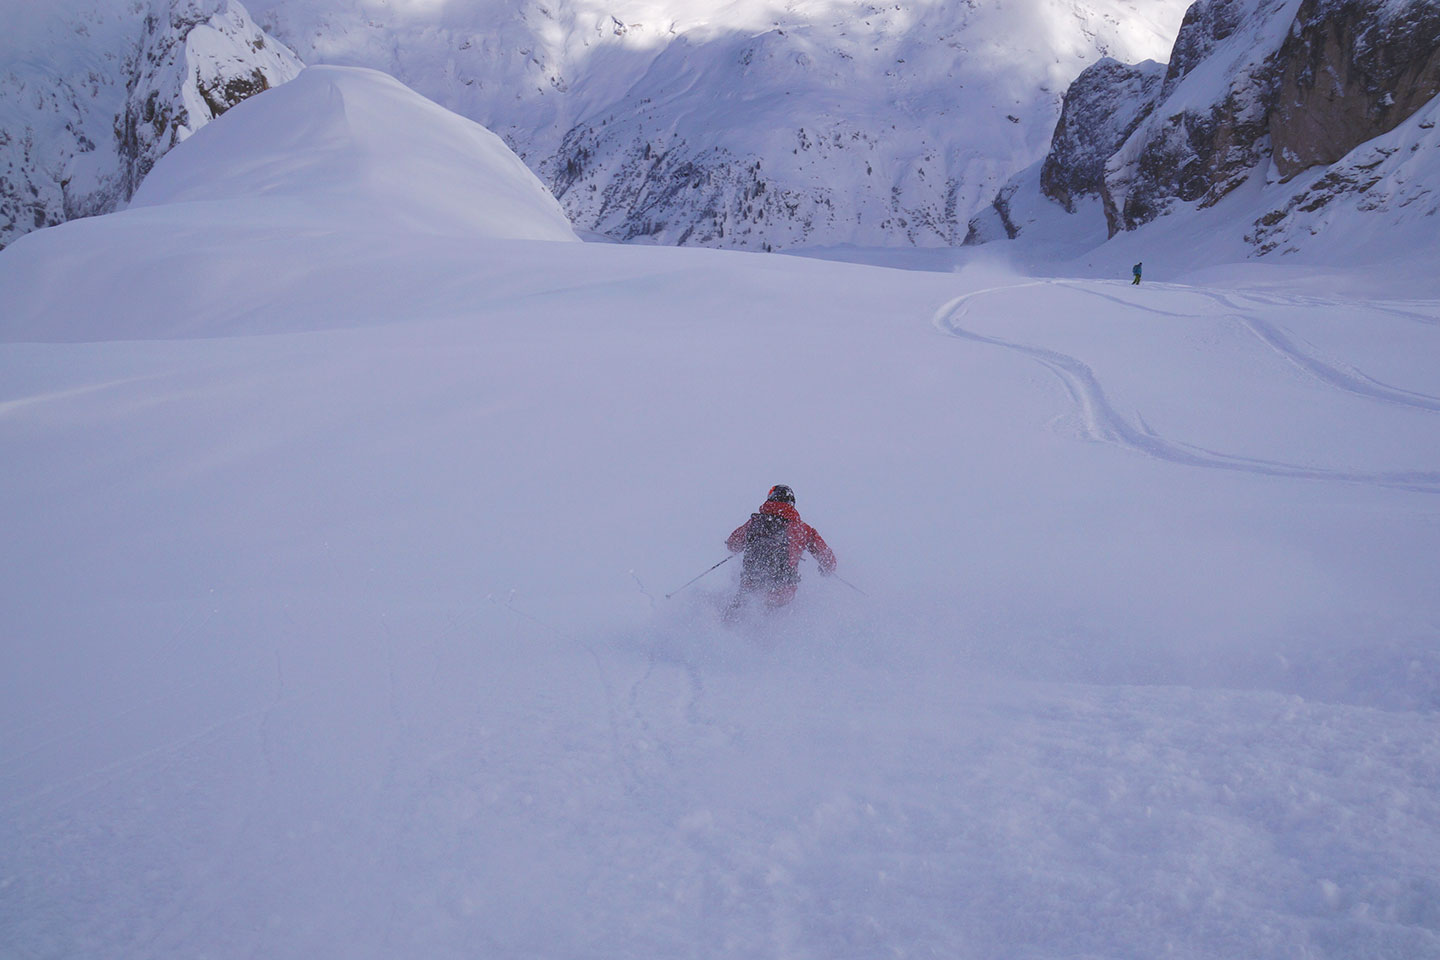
x=1136 y=280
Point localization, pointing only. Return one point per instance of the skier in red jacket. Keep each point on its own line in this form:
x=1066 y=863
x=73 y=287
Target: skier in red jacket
x=773 y=541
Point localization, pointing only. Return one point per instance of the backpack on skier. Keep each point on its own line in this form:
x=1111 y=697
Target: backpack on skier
x=767 y=550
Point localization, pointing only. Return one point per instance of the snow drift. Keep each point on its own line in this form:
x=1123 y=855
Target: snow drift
x=354 y=149
x=323 y=173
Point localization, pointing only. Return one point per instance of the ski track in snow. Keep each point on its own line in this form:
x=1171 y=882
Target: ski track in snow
x=1101 y=421
x=69 y=790
x=121 y=704
x=1341 y=376
x=661 y=714
x=10 y=407
x=642 y=756
x=1388 y=307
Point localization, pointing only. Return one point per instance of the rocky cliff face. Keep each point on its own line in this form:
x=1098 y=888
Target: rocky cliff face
x=1254 y=88
x=1209 y=129
x=1297 y=84
x=1102 y=108
x=82 y=122
x=1392 y=180
x=1349 y=71
x=195 y=60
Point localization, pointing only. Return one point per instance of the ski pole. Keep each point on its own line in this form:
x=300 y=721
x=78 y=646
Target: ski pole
x=688 y=582
x=849 y=584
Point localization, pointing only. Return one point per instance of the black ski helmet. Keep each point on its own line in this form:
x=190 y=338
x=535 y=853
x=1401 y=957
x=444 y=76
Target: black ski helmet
x=781 y=493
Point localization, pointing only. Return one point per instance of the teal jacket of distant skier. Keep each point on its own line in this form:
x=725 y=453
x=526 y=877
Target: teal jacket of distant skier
x=800 y=536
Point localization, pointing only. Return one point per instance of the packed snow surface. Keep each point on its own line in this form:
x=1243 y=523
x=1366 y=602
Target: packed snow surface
x=336 y=567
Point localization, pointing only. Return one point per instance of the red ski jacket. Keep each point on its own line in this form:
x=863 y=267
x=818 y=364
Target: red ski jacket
x=800 y=536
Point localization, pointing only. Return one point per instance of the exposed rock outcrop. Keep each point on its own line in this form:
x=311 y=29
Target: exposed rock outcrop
x=1209 y=130
x=1394 y=178
x=1267 y=88
x=996 y=223
x=1101 y=109
x=1351 y=70
x=1297 y=83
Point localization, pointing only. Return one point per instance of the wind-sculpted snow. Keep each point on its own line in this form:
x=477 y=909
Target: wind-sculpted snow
x=304 y=181
x=340 y=143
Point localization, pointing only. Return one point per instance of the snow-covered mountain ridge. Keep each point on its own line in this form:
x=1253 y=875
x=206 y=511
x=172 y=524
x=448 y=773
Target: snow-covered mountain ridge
x=93 y=92
x=1269 y=94
x=768 y=125
x=759 y=124
x=752 y=124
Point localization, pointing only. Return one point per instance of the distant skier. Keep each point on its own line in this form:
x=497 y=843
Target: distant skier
x=773 y=541
x=1136 y=270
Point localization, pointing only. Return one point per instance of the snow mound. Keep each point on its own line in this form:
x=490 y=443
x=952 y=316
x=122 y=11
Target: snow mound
x=311 y=186
x=361 y=149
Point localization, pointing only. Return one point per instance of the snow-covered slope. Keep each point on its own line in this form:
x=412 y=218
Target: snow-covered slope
x=761 y=123
x=349 y=637
x=93 y=92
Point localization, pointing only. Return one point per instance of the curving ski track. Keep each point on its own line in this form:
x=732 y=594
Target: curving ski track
x=1101 y=421
x=1342 y=377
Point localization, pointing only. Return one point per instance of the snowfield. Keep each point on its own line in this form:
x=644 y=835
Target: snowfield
x=337 y=549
